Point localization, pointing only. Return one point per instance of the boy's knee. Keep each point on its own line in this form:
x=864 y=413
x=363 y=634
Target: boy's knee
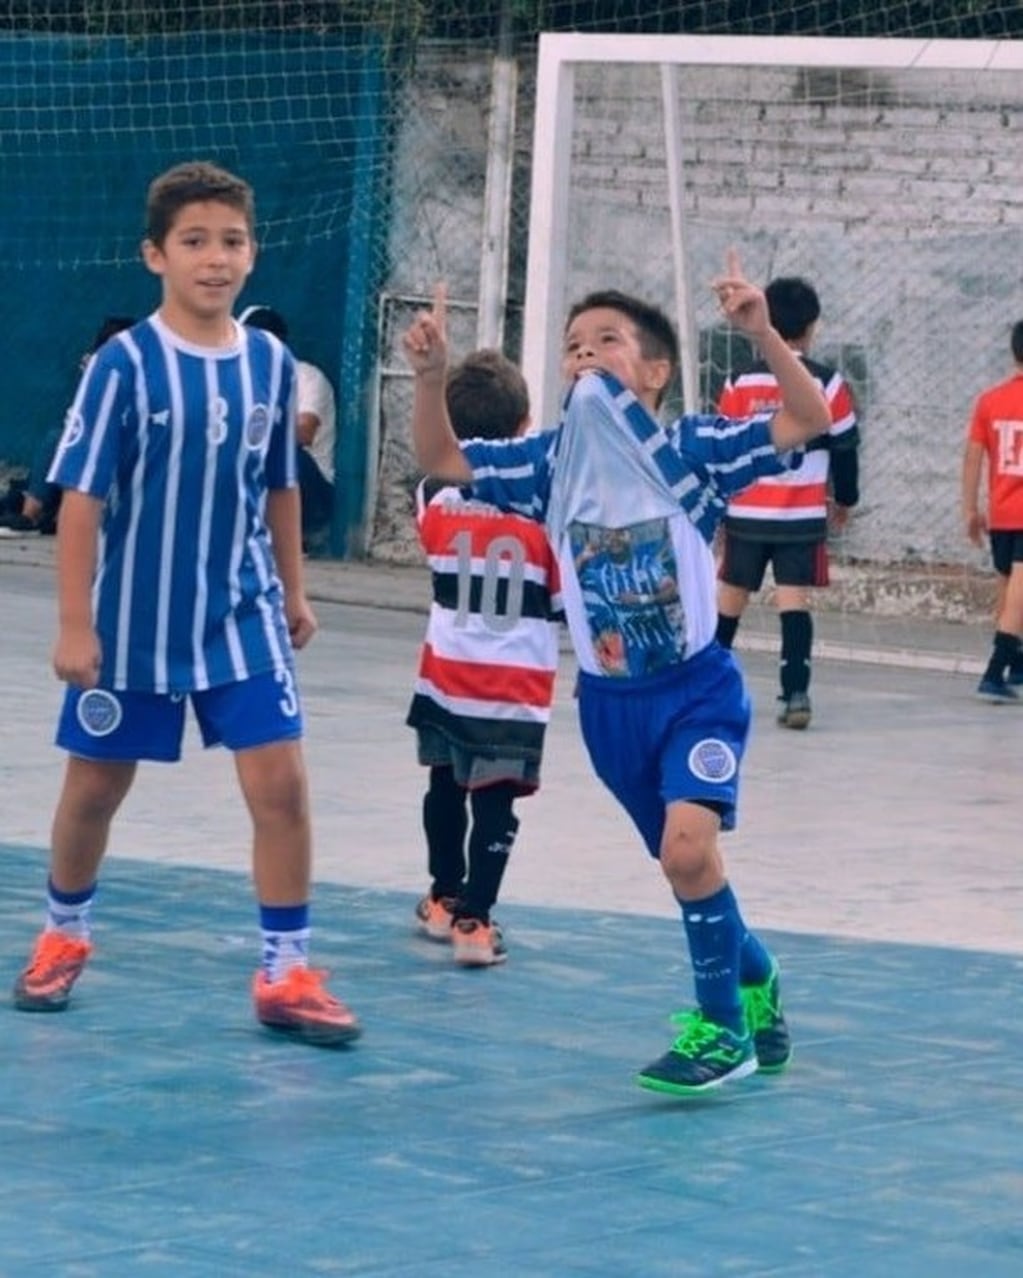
x=689 y=849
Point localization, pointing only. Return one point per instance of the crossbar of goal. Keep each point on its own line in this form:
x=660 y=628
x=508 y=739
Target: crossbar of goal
x=560 y=54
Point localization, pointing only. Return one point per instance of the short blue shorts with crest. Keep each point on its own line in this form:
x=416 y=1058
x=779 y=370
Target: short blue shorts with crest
x=127 y=727
x=675 y=735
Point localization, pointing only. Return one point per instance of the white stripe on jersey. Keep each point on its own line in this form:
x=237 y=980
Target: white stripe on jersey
x=176 y=425
x=531 y=644
x=131 y=536
x=506 y=711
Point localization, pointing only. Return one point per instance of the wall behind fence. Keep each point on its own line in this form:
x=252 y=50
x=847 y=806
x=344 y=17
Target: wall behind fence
x=898 y=197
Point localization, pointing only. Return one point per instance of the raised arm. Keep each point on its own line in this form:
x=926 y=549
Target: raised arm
x=426 y=349
x=804 y=411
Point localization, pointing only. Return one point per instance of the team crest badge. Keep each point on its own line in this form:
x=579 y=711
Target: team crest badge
x=74 y=429
x=258 y=426
x=99 y=712
x=713 y=760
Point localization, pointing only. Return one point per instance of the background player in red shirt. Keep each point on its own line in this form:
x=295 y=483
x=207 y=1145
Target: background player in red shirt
x=483 y=693
x=996 y=435
x=783 y=521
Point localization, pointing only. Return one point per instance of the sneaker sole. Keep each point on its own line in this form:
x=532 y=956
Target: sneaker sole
x=798 y=719
x=43 y=1003
x=775 y=1069
x=316 y=1035
x=688 y=1089
x=432 y=934
x=464 y=959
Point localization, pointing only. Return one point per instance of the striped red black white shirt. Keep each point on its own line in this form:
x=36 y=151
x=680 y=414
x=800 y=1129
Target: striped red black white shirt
x=489 y=659
x=793 y=507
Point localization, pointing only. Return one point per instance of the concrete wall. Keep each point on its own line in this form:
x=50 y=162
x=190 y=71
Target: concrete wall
x=897 y=194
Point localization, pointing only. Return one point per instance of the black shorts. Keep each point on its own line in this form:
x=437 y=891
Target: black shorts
x=802 y=563
x=1006 y=550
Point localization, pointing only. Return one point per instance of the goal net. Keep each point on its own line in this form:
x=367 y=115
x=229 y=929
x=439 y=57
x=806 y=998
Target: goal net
x=881 y=170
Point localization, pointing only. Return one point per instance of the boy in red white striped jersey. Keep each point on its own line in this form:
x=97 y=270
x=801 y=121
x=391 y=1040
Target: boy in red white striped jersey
x=783 y=521
x=485 y=683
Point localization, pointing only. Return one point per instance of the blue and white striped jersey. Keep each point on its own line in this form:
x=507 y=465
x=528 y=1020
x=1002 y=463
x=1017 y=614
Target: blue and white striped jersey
x=182 y=444
x=626 y=500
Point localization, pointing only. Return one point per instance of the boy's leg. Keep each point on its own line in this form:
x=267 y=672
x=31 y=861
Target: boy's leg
x=260 y=721
x=91 y=794
x=445 y=824
x=1005 y=664
x=494 y=826
x=743 y=564
x=798 y=568
x=288 y=994
x=476 y=938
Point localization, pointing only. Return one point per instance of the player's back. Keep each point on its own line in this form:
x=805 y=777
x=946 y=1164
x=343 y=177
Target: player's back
x=491 y=649
x=791 y=506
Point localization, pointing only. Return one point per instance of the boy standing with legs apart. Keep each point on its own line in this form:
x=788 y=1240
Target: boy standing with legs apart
x=486 y=674
x=783 y=520
x=180 y=578
x=995 y=437
x=663 y=710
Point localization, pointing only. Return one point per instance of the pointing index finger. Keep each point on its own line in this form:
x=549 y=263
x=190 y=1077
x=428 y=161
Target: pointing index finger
x=440 y=304
x=733 y=267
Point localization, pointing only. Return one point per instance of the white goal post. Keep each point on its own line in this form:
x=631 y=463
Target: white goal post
x=886 y=171
x=549 y=216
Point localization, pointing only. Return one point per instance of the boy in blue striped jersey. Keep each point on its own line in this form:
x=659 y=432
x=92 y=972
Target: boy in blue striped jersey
x=180 y=580
x=662 y=706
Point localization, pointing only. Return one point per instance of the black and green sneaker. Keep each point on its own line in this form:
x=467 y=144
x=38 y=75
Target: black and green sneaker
x=762 y=1005
x=704 y=1056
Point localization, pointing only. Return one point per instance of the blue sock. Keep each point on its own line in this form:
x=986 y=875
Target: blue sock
x=285 y=930
x=714 y=929
x=68 y=912
x=755 y=962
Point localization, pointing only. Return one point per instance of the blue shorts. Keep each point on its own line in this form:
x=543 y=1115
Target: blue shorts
x=126 y=727
x=675 y=735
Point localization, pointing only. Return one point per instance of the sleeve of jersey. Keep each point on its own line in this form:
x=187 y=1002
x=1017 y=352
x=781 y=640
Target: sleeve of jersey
x=512 y=474
x=844 y=432
x=87 y=455
x=978 y=432
x=281 y=463
x=735 y=454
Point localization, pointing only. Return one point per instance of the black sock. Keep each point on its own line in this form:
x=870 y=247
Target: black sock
x=796 y=642
x=1004 y=654
x=494 y=827
x=727 y=626
x=445 y=823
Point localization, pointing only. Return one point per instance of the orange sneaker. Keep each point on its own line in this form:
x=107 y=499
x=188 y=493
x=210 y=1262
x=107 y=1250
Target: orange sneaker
x=434 y=918
x=53 y=967
x=300 y=1004
x=477 y=944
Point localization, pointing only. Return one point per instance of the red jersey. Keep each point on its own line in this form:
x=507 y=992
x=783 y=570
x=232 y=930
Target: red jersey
x=794 y=506
x=997 y=426
x=487 y=667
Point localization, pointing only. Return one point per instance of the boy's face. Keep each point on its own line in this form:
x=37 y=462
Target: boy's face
x=204 y=260
x=607 y=339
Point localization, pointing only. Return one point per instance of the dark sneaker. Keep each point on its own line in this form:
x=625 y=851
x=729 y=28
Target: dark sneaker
x=771 y=1041
x=54 y=965
x=997 y=693
x=704 y=1056
x=300 y=1004
x=434 y=917
x=477 y=944
x=795 y=711
x=18 y=526
x=1014 y=678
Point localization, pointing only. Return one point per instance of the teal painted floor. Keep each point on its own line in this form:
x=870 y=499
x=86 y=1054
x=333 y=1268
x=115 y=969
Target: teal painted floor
x=487 y=1121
